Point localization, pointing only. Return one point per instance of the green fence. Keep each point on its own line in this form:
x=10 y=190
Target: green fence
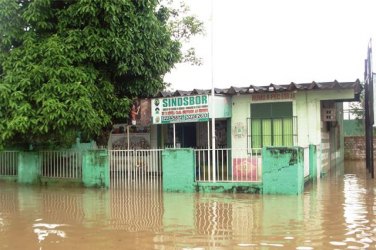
x=283 y=170
x=88 y=168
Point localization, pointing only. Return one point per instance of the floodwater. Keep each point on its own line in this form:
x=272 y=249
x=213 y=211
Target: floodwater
x=336 y=213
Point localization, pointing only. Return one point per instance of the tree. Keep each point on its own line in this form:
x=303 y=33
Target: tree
x=183 y=25
x=356 y=109
x=69 y=66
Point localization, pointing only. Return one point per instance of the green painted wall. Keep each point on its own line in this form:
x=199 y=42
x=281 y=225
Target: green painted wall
x=178 y=170
x=28 y=167
x=95 y=169
x=313 y=162
x=282 y=170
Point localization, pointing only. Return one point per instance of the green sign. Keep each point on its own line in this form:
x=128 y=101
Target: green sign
x=180 y=109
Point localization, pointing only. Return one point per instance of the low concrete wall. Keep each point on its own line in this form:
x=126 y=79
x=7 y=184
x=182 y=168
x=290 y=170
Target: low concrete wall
x=282 y=170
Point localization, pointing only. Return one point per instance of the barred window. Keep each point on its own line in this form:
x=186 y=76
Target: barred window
x=272 y=124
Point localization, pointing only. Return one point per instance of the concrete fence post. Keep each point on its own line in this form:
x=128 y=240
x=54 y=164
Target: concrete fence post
x=28 y=167
x=282 y=170
x=95 y=169
x=178 y=170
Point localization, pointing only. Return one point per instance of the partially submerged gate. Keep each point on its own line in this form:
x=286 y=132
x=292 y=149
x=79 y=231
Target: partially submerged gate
x=141 y=168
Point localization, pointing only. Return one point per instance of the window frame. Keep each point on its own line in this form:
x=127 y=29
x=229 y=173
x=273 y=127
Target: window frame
x=293 y=136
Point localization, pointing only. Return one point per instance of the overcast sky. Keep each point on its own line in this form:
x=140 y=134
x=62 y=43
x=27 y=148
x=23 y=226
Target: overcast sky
x=273 y=41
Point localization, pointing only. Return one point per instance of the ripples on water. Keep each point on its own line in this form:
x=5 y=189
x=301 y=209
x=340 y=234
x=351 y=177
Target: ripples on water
x=336 y=213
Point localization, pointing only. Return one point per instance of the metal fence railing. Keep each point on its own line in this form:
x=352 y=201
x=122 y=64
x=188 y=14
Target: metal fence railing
x=231 y=165
x=61 y=164
x=135 y=166
x=8 y=163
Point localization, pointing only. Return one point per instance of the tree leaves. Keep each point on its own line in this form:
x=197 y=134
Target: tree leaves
x=183 y=26
x=69 y=66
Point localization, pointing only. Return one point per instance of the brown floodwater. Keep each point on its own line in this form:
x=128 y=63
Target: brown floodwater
x=338 y=212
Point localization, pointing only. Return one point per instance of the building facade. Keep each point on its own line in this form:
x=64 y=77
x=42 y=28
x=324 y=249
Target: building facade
x=254 y=117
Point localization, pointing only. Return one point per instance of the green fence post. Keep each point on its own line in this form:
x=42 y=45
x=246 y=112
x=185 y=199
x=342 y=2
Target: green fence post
x=282 y=170
x=28 y=168
x=178 y=170
x=95 y=169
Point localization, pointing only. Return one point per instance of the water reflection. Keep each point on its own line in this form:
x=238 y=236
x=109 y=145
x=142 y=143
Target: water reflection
x=135 y=210
x=223 y=220
x=336 y=213
x=359 y=233
x=8 y=205
x=1 y=223
x=61 y=206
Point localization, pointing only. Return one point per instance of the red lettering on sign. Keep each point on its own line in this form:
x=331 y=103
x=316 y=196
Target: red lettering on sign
x=273 y=96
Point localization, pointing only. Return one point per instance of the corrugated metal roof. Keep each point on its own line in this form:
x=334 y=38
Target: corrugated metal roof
x=269 y=88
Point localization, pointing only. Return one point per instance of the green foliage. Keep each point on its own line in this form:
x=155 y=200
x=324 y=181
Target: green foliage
x=183 y=26
x=74 y=65
x=356 y=109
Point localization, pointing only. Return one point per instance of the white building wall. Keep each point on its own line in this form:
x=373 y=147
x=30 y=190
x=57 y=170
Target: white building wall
x=308 y=116
x=240 y=112
x=307 y=109
x=311 y=128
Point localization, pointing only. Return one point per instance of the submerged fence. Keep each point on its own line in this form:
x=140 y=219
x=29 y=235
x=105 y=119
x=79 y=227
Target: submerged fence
x=142 y=169
x=9 y=163
x=61 y=164
x=231 y=165
x=134 y=167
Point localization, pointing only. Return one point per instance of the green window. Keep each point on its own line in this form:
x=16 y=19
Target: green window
x=271 y=124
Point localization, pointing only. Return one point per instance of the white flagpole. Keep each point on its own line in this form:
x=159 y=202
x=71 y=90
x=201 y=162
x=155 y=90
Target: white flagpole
x=174 y=133
x=212 y=94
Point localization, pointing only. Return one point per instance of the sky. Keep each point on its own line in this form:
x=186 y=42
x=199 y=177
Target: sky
x=260 y=42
